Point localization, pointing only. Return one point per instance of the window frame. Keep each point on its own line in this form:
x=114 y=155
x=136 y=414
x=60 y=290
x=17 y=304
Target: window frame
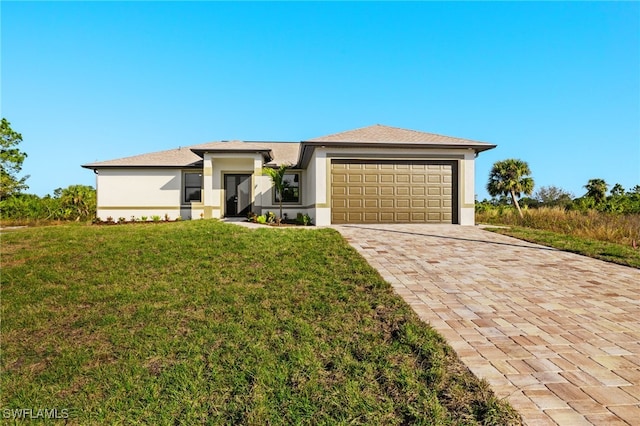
x=299 y=187
x=185 y=188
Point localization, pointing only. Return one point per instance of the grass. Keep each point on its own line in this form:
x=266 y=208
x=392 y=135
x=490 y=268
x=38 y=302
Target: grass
x=616 y=253
x=621 y=229
x=604 y=236
x=204 y=322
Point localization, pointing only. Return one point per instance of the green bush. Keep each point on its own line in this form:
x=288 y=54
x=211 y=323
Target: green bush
x=76 y=202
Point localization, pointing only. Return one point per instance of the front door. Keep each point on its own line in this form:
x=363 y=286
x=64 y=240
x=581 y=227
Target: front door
x=237 y=189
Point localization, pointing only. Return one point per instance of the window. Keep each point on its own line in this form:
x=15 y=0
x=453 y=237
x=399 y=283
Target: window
x=291 y=192
x=192 y=187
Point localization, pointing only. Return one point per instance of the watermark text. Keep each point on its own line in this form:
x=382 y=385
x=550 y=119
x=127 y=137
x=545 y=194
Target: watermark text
x=37 y=413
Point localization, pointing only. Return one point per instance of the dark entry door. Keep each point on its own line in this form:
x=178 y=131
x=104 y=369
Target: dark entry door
x=238 y=195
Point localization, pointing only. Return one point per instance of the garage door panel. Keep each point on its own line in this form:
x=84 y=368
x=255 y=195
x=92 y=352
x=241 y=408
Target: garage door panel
x=434 y=179
x=372 y=217
x=403 y=191
x=340 y=203
x=339 y=191
x=355 y=190
x=338 y=178
x=371 y=190
x=402 y=179
x=434 y=217
x=403 y=203
x=418 y=216
x=355 y=203
x=338 y=216
x=388 y=191
x=386 y=203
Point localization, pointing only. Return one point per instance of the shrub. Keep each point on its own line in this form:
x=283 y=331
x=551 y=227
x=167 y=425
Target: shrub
x=77 y=202
x=156 y=218
x=261 y=219
x=303 y=219
x=271 y=217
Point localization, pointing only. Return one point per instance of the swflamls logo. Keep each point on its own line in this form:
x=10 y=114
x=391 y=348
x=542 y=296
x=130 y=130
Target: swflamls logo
x=36 y=413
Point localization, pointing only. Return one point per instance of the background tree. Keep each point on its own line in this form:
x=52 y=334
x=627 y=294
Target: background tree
x=510 y=177
x=597 y=189
x=553 y=196
x=78 y=202
x=11 y=159
x=279 y=184
x=617 y=190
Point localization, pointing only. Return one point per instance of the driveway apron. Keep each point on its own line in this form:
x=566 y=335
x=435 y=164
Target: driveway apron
x=555 y=333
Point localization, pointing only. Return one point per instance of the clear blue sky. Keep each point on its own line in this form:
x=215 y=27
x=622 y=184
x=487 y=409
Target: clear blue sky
x=555 y=84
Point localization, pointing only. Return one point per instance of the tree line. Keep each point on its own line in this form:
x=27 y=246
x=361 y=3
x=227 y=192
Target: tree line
x=510 y=179
x=76 y=202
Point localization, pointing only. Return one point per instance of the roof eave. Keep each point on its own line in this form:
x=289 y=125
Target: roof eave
x=267 y=154
x=196 y=165
x=307 y=147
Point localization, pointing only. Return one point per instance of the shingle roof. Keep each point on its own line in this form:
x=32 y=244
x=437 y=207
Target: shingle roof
x=179 y=157
x=278 y=153
x=386 y=134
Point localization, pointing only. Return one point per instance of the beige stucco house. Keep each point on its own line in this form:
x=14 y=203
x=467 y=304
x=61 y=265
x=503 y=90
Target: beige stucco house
x=376 y=174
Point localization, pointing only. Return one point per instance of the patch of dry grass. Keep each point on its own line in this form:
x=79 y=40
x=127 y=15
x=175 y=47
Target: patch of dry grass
x=594 y=225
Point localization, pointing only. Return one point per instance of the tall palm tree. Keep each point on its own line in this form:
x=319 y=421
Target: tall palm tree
x=279 y=184
x=510 y=177
x=597 y=189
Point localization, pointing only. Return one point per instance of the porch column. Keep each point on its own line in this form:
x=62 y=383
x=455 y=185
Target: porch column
x=207 y=186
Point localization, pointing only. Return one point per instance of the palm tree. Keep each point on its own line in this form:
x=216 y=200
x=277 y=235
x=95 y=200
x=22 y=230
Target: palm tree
x=597 y=189
x=279 y=184
x=510 y=177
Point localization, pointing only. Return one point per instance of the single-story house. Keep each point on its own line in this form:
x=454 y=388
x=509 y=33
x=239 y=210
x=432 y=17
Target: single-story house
x=375 y=174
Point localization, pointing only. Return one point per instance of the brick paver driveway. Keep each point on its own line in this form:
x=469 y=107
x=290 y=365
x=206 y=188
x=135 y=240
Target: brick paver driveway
x=555 y=333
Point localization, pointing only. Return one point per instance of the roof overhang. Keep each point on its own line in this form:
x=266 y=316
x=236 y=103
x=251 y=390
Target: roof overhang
x=308 y=147
x=266 y=153
x=196 y=165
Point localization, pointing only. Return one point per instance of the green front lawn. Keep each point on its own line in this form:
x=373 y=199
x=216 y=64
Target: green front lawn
x=204 y=322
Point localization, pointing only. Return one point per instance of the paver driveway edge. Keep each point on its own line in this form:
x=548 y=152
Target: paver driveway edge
x=557 y=334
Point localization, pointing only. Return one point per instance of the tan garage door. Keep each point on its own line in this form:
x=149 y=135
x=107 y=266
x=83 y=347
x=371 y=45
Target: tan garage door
x=393 y=191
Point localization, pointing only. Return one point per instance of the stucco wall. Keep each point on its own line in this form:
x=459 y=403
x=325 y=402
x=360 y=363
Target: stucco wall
x=138 y=192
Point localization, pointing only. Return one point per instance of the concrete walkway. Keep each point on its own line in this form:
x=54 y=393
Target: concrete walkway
x=555 y=333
